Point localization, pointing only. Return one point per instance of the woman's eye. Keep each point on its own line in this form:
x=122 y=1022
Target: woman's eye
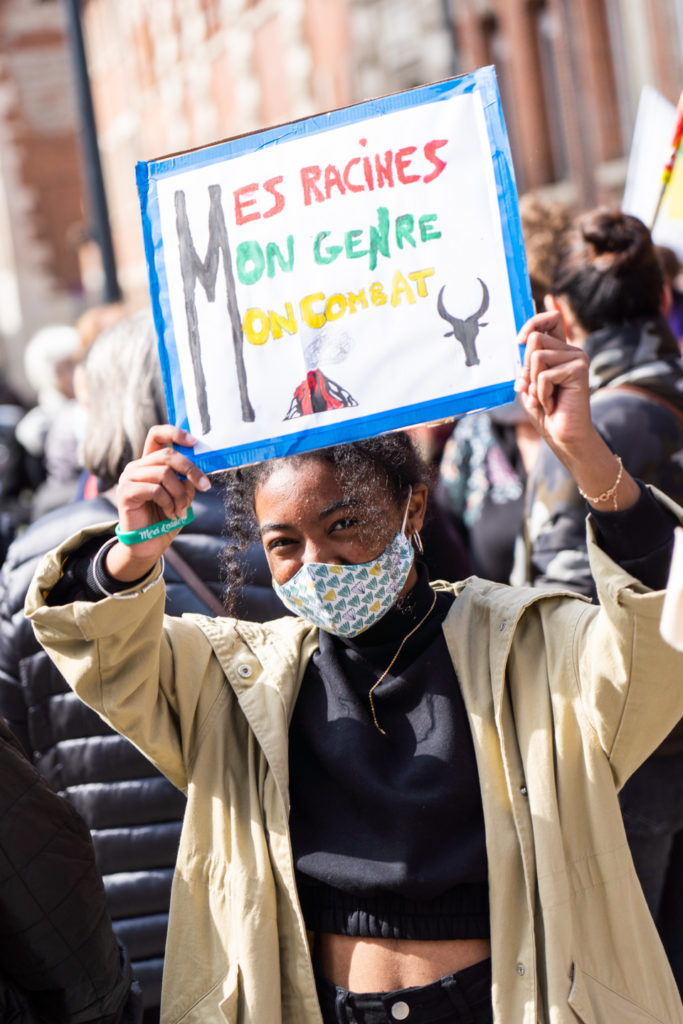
x=278 y=542
x=344 y=524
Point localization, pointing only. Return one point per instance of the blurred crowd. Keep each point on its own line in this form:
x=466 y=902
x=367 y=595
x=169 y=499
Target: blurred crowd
x=503 y=508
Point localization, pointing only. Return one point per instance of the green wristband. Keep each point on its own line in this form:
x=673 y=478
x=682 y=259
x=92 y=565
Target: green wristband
x=154 y=530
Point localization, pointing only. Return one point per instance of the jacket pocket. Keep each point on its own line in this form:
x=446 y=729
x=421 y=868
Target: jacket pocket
x=231 y=986
x=595 y=1003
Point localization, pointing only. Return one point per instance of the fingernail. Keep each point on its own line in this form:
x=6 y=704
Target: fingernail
x=190 y=438
x=203 y=483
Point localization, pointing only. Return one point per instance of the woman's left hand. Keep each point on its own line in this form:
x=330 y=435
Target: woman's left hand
x=553 y=389
x=553 y=385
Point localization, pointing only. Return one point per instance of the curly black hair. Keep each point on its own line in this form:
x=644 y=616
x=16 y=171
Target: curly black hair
x=389 y=460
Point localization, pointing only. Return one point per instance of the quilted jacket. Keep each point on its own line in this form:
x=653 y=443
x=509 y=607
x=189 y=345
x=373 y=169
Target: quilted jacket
x=134 y=813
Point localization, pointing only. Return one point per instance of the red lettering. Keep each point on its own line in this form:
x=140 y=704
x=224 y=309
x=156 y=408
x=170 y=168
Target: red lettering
x=402 y=161
x=347 y=170
x=269 y=186
x=309 y=179
x=367 y=171
x=430 y=153
x=384 y=170
x=240 y=216
x=333 y=180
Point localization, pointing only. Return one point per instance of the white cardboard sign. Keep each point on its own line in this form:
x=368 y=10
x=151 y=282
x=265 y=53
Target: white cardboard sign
x=338 y=277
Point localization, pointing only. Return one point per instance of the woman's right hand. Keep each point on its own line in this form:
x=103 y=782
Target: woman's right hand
x=159 y=485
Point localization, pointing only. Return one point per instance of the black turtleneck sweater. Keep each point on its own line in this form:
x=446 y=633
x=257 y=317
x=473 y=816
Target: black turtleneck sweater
x=388 y=830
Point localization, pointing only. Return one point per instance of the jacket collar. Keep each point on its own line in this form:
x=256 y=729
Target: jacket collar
x=641 y=352
x=264 y=665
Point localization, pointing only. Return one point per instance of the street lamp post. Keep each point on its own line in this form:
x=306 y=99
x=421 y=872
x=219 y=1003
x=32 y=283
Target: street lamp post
x=99 y=211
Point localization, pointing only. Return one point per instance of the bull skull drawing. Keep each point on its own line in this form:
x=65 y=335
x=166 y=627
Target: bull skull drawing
x=466 y=330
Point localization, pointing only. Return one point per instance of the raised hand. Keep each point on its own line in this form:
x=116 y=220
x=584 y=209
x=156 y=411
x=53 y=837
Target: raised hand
x=553 y=388
x=159 y=485
x=553 y=385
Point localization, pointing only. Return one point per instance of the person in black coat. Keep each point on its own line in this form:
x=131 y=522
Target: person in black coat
x=133 y=812
x=59 y=958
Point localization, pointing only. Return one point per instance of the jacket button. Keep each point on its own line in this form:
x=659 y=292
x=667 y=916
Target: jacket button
x=502 y=626
x=523 y=790
x=521 y=969
x=244 y=671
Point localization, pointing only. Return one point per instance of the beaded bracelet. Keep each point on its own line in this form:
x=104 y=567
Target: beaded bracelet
x=154 y=529
x=611 y=493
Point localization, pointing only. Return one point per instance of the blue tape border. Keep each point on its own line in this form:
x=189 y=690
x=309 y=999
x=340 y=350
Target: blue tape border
x=148 y=173
x=354 y=430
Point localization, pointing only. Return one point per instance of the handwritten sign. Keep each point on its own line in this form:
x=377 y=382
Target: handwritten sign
x=340 y=276
x=650 y=150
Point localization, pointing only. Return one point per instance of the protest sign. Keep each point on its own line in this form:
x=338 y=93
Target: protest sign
x=650 y=150
x=340 y=276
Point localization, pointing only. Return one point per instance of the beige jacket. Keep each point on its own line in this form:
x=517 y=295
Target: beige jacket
x=564 y=699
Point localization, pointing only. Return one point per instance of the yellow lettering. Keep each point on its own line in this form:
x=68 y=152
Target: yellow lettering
x=377 y=296
x=336 y=307
x=306 y=306
x=256 y=327
x=400 y=287
x=357 y=300
x=419 y=277
x=277 y=322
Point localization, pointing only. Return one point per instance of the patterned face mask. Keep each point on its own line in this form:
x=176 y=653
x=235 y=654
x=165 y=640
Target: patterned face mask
x=348 y=599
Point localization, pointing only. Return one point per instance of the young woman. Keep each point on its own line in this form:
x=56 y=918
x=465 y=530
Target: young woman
x=402 y=804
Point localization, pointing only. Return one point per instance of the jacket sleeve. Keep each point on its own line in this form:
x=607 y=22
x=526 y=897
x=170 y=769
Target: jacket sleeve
x=123 y=658
x=631 y=680
x=13 y=705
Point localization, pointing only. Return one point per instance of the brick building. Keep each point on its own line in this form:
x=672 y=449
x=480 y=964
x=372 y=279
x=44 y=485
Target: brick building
x=174 y=74
x=40 y=183
x=217 y=69
x=570 y=75
x=182 y=73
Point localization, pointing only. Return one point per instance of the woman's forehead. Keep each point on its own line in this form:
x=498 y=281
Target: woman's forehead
x=311 y=485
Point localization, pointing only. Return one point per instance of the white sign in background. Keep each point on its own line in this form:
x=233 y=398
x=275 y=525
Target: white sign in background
x=353 y=251
x=650 y=150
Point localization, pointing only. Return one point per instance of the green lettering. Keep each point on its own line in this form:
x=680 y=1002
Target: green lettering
x=426 y=231
x=405 y=225
x=250 y=262
x=273 y=253
x=379 y=236
x=351 y=243
x=331 y=251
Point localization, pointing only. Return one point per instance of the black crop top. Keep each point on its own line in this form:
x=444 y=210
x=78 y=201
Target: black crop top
x=388 y=830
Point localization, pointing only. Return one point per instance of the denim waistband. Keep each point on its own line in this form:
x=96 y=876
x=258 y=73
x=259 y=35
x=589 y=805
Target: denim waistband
x=463 y=997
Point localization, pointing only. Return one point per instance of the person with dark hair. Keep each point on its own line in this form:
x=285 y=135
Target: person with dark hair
x=59 y=958
x=672 y=272
x=134 y=813
x=609 y=288
x=402 y=802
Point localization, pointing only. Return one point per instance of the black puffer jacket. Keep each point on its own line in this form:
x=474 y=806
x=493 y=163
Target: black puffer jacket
x=59 y=959
x=133 y=812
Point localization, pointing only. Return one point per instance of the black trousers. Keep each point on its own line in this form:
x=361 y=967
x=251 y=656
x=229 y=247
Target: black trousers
x=460 y=998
